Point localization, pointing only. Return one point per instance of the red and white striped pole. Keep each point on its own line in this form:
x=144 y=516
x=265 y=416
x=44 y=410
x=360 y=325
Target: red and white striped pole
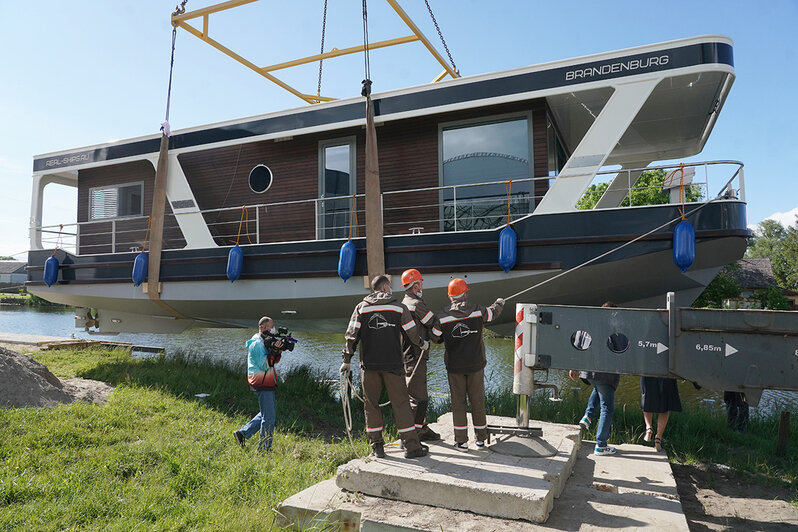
x=523 y=376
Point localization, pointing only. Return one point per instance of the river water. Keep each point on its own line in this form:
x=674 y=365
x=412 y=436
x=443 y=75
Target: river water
x=322 y=351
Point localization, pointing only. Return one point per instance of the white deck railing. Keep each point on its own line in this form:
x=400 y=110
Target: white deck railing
x=468 y=207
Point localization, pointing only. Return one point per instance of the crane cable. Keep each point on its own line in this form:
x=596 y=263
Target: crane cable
x=440 y=34
x=321 y=51
x=681 y=216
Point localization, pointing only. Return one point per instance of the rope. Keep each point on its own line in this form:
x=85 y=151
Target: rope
x=509 y=214
x=323 y=29
x=668 y=181
x=244 y=212
x=147 y=235
x=346 y=387
x=432 y=15
x=353 y=216
x=59 y=243
x=165 y=125
x=594 y=259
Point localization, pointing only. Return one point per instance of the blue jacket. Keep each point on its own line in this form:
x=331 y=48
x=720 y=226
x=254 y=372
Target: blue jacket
x=260 y=375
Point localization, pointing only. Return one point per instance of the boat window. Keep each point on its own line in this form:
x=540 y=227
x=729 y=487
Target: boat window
x=116 y=201
x=476 y=155
x=336 y=186
x=260 y=179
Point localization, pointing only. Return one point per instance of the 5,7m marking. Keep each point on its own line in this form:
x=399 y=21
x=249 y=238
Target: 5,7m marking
x=708 y=347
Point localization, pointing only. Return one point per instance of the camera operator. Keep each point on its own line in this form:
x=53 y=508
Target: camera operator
x=265 y=350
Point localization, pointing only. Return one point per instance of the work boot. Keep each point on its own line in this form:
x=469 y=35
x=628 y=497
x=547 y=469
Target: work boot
x=417 y=453
x=378 y=450
x=240 y=439
x=427 y=434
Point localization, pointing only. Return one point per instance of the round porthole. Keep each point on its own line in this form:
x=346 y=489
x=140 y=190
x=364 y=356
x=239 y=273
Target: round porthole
x=581 y=340
x=618 y=342
x=260 y=179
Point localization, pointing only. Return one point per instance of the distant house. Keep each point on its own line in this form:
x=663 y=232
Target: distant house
x=12 y=273
x=752 y=275
x=792 y=296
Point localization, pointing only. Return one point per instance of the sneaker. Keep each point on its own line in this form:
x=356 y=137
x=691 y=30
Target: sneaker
x=461 y=446
x=427 y=434
x=378 y=450
x=418 y=453
x=604 y=450
x=584 y=422
x=240 y=439
x=480 y=444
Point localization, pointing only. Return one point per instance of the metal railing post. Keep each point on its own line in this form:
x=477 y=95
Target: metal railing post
x=257 y=225
x=742 y=185
x=77 y=239
x=113 y=236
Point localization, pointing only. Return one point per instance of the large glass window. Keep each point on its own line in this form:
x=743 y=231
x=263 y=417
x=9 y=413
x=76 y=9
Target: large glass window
x=336 y=180
x=116 y=201
x=476 y=155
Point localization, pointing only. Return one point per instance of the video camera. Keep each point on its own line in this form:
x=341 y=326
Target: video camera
x=281 y=334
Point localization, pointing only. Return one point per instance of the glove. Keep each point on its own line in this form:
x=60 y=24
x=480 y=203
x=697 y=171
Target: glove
x=345 y=368
x=499 y=301
x=425 y=345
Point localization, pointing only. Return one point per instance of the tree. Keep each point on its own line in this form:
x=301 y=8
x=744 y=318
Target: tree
x=772 y=241
x=647 y=191
x=7 y=257
x=772 y=298
x=723 y=286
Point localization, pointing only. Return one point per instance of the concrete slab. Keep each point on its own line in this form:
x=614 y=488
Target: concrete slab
x=480 y=481
x=29 y=339
x=633 y=489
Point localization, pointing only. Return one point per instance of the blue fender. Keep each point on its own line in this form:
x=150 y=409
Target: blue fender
x=140 y=266
x=51 y=271
x=235 y=262
x=507 y=248
x=683 y=245
x=346 y=260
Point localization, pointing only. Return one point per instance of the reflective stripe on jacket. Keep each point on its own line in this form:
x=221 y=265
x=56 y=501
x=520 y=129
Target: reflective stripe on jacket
x=424 y=318
x=379 y=323
x=460 y=327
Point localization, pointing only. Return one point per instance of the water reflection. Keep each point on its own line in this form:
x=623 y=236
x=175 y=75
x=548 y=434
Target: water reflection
x=322 y=351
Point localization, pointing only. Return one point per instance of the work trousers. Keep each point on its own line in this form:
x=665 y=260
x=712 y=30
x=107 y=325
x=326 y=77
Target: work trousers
x=416 y=376
x=471 y=385
x=263 y=421
x=397 y=394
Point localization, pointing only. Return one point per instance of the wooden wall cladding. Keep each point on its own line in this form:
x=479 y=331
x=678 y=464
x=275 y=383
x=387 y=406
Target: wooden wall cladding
x=95 y=236
x=408 y=157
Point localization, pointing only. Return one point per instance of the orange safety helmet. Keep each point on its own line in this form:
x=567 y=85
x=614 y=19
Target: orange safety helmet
x=411 y=276
x=457 y=287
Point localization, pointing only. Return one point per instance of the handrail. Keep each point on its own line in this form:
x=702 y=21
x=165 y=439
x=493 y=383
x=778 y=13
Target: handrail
x=450 y=212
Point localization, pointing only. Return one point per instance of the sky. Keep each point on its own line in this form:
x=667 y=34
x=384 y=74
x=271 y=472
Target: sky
x=84 y=72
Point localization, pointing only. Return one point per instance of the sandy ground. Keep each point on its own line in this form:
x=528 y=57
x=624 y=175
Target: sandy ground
x=713 y=497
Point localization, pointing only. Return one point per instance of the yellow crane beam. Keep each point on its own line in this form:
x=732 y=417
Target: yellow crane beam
x=181 y=20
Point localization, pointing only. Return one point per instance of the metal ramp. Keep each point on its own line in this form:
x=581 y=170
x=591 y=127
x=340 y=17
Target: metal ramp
x=726 y=350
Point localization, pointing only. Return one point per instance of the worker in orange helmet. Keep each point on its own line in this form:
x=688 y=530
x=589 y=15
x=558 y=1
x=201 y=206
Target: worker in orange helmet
x=459 y=326
x=415 y=358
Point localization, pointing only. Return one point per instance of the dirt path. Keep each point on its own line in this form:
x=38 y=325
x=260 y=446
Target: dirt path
x=715 y=499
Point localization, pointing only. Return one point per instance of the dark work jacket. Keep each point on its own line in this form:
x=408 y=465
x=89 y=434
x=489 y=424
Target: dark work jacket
x=460 y=327
x=424 y=319
x=378 y=323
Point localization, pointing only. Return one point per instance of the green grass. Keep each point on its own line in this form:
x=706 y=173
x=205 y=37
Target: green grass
x=154 y=457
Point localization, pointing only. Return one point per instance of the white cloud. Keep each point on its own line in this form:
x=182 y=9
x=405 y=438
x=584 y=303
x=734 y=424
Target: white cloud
x=784 y=218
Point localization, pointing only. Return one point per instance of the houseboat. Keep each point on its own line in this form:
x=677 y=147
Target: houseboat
x=458 y=160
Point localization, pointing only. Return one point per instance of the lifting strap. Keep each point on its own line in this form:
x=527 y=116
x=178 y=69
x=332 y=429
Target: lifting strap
x=375 y=251
x=159 y=201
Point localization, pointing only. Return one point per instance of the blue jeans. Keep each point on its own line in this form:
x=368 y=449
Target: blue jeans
x=603 y=398
x=263 y=421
